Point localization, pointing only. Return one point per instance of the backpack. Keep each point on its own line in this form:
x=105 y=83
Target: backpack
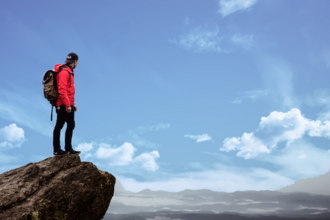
x=50 y=87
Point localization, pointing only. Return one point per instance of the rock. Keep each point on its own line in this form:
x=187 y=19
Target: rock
x=58 y=188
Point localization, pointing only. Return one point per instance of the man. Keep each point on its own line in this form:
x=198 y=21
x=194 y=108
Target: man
x=65 y=106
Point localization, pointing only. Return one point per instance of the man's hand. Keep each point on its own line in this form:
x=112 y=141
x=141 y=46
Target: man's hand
x=68 y=109
x=75 y=108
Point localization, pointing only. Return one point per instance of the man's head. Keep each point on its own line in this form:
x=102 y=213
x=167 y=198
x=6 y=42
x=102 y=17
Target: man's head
x=72 y=60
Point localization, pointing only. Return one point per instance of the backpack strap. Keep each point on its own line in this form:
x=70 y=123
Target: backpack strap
x=64 y=66
x=51 y=115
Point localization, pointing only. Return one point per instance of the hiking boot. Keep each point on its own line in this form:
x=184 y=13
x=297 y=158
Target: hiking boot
x=60 y=152
x=73 y=151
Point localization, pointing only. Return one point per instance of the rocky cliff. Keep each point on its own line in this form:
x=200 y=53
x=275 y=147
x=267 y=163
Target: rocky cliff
x=61 y=188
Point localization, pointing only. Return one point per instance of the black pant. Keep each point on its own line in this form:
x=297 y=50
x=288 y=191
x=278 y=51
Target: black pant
x=62 y=117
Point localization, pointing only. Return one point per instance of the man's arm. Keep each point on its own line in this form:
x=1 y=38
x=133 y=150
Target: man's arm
x=62 y=86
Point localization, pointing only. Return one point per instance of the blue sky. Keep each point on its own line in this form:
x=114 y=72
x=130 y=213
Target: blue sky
x=224 y=95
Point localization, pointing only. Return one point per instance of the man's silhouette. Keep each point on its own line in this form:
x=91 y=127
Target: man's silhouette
x=65 y=106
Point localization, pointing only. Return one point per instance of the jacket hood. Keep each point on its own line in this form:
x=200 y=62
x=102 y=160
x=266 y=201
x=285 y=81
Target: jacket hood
x=57 y=67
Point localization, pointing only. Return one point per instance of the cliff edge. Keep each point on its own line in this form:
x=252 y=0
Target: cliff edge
x=60 y=188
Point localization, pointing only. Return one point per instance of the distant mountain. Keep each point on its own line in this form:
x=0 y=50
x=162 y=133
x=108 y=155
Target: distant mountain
x=319 y=185
x=167 y=215
x=308 y=197
x=243 y=202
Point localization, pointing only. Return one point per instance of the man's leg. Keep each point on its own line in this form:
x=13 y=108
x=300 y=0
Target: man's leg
x=69 y=131
x=61 y=118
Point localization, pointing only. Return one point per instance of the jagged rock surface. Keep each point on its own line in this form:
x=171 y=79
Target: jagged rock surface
x=61 y=188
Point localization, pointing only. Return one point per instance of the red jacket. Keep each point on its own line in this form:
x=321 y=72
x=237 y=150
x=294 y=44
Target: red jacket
x=65 y=86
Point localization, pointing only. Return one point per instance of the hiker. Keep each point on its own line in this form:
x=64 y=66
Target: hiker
x=65 y=106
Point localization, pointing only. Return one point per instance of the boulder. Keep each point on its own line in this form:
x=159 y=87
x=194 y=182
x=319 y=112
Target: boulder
x=60 y=188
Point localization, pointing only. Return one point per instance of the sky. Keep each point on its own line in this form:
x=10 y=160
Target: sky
x=226 y=95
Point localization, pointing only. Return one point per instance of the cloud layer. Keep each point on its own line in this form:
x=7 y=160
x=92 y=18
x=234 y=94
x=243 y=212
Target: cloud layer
x=199 y=138
x=253 y=95
x=208 y=39
x=227 y=7
x=300 y=160
x=221 y=178
x=277 y=127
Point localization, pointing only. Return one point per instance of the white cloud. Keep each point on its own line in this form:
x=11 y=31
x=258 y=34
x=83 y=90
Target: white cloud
x=199 y=138
x=144 y=129
x=277 y=127
x=283 y=126
x=248 y=145
x=227 y=7
x=124 y=155
x=117 y=156
x=11 y=136
x=252 y=95
x=84 y=147
x=147 y=160
x=201 y=39
x=12 y=133
x=206 y=39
